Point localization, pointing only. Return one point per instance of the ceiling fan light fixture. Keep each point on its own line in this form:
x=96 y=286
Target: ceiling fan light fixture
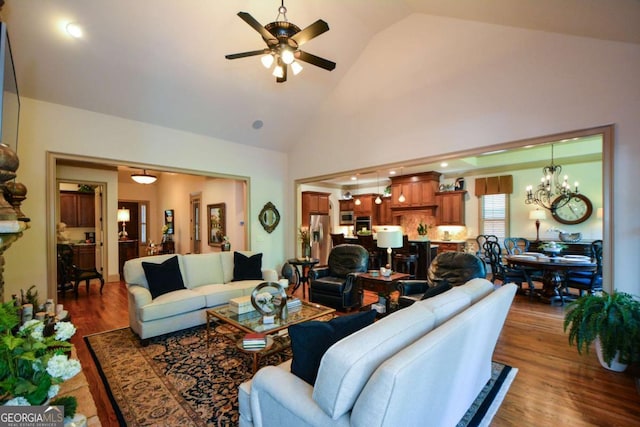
x=287 y=56
x=278 y=71
x=296 y=68
x=144 y=178
x=267 y=60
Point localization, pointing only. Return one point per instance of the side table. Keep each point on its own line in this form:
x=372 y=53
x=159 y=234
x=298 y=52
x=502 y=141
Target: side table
x=303 y=269
x=380 y=284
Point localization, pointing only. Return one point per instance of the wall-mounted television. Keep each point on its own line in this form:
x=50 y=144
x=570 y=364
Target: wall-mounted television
x=10 y=114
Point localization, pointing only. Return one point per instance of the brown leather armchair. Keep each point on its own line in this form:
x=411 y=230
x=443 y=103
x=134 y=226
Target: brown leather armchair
x=335 y=284
x=447 y=269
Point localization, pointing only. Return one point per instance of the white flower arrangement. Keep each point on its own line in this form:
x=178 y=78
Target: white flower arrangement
x=34 y=358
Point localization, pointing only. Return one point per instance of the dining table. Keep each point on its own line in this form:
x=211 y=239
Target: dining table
x=554 y=270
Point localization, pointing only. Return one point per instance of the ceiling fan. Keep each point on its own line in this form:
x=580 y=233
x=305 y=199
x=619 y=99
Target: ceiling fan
x=283 y=40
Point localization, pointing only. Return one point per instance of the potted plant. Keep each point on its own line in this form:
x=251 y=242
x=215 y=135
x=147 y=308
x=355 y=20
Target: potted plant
x=423 y=229
x=612 y=321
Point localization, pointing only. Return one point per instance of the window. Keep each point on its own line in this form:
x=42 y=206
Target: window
x=143 y=222
x=494 y=215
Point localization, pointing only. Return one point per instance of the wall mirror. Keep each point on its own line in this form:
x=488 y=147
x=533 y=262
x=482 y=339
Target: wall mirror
x=269 y=217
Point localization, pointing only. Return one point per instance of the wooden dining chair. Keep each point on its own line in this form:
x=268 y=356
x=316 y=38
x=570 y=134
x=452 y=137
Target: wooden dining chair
x=337 y=239
x=503 y=272
x=481 y=239
x=367 y=242
x=587 y=281
x=516 y=245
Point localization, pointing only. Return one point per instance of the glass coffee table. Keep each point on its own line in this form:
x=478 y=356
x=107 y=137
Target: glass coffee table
x=277 y=337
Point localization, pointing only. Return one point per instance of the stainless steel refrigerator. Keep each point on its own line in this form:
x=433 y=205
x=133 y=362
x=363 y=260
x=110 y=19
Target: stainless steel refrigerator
x=320 y=229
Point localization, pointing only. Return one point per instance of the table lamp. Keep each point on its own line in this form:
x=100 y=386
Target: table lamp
x=389 y=239
x=124 y=217
x=537 y=215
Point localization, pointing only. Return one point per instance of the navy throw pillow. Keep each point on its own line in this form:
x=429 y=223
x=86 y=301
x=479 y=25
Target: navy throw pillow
x=311 y=339
x=443 y=286
x=247 y=268
x=164 y=277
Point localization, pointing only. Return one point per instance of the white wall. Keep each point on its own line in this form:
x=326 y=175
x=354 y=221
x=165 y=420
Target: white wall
x=458 y=85
x=51 y=127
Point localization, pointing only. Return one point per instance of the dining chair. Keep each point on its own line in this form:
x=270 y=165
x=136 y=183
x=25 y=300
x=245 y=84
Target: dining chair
x=71 y=273
x=516 y=245
x=404 y=260
x=481 y=239
x=587 y=281
x=503 y=272
x=367 y=242
x=337 y=239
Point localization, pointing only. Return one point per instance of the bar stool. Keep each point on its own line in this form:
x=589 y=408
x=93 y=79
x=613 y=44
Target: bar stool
x=366 y=241
x=404 y=260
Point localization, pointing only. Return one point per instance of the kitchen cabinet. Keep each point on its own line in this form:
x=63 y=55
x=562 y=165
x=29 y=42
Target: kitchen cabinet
x=84 y=256
x=451 y=207
x=384 y=216
x=419 y=190
x=449 y=246
x=367 y=207
x=314 y=203
x=346 y=205
x=77 y=209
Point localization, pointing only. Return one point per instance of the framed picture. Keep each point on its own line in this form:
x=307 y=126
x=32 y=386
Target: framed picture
x=217 y=227
x=168 y=221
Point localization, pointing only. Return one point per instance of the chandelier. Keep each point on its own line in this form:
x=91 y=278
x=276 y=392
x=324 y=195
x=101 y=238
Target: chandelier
x=554 y=190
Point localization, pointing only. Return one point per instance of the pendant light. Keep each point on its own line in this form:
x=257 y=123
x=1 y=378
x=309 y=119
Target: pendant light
x=378 y=199
x=357 y=202
x=143 y=178
x=401 y=199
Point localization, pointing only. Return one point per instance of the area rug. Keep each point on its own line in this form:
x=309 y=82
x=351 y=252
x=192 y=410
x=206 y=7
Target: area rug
x=180 y=380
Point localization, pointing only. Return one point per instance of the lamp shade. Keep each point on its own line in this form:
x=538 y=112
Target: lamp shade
x=537 y=214
x=389 y=239
x=123 y=215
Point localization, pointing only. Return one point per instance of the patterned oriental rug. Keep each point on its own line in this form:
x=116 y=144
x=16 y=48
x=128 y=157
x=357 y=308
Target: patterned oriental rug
x=177 y=380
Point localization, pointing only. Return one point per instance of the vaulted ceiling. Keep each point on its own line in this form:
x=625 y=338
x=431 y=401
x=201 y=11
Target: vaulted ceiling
x=162 y=62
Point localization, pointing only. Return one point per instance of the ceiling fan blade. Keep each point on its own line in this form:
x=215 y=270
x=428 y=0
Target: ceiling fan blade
x=283 y=79
x=313 y=30
x=315 y=60
x=245 y=54
x=256 y=26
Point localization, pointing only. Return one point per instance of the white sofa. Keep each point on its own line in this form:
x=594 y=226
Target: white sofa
x=420 y=366
x=208 y=281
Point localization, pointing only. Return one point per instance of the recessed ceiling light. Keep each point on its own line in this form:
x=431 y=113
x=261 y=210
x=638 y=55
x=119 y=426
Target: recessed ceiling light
x=392 y=172
x=444 y=164
x=353 y=178
x=74 y=30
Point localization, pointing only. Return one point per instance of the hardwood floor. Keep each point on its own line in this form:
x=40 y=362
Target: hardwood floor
x=554 y=387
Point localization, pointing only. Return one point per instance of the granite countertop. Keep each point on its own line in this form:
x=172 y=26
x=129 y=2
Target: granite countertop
x=448 y=241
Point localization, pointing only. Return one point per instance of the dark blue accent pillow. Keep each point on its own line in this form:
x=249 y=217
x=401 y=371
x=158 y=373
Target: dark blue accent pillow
x=247 y=268
x=164 y=277
x=310 y=340
x=443 y=286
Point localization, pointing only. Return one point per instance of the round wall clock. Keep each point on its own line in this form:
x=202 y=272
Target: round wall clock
x=575 y=211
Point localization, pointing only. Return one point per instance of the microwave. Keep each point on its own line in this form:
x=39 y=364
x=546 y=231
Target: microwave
x=346 y=217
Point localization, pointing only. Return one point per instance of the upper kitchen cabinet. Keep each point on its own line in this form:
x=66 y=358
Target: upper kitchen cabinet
x=366 y=206
x=314 y=203
x=385 y=216
x=77 y=209
x=346 y=205
x=419 y=190
x=451 y=207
